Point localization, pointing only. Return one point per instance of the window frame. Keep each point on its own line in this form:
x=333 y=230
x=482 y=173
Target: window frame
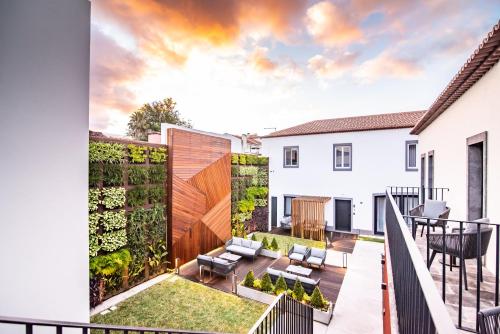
x=285 y=148
x=407 y=155
x=335 y=168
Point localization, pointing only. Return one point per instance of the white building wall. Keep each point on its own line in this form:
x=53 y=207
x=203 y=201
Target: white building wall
x=44 y=101
x=378 y=161
x=478 y=110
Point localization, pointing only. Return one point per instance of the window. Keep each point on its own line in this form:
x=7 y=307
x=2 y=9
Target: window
x=411 y=155
x=290 y=156
x=288 y=205
x=342 y=157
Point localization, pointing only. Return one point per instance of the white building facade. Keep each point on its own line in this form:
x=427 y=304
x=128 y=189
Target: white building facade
x=353 y=167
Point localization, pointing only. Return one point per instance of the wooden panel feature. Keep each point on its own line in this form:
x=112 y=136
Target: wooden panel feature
x=200 y=192
x=308 y=217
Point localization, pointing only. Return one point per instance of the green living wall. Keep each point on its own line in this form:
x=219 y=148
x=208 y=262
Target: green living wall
x=249 y=193
x=127 y=224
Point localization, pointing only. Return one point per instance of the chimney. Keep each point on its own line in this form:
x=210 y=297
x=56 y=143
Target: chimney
x=244 y=143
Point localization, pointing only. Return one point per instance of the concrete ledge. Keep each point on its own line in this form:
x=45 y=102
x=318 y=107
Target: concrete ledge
x=256 y=295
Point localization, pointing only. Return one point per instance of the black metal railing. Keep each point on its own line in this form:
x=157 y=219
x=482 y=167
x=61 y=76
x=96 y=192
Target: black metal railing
x=418 y=303
x=285 y=315
x=459 y=240
x=30 y=325
x=408 y=197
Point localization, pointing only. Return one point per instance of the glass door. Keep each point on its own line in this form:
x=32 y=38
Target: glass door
x=379 y=214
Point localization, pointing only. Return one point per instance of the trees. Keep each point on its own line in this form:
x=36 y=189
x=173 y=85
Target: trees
x=150 y=116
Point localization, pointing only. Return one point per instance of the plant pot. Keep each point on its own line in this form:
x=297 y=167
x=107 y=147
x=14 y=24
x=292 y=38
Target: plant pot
x=256 y=295
x=323 y=316
x=271 y=253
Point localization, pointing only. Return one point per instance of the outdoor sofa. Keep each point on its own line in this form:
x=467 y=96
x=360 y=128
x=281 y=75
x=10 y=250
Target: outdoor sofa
x=316 y=257
x=436 y=210
x=244 y=247
x=307 y=283
x=215 y=265
x=298 y=253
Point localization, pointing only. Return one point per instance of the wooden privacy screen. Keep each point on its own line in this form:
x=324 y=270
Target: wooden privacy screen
x=199 y=177
x=308 y=217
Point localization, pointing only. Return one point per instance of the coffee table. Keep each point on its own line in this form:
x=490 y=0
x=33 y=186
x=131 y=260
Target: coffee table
x=298 y=270
x=230 y=257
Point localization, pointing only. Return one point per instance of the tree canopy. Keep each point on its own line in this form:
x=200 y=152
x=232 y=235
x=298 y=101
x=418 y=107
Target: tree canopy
x=149 y=117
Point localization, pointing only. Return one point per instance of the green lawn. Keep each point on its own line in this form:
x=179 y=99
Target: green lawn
x=181 y=304
x=370 y=238
x=285 y=242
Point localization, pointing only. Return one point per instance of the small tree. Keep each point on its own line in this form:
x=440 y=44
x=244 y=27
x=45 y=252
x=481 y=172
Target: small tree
x=249 y=279
x=280 y=285
x=267 y=284
x=317 y=299
x=265 y=243
x=254 y=238
x=298 y=291
x=274 y=245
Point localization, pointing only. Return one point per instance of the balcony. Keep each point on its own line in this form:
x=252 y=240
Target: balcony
x=432 y=286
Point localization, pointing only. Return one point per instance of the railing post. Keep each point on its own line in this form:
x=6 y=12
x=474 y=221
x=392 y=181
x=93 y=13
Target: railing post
x=478 y=274
x=443 y=267
x=460 y=274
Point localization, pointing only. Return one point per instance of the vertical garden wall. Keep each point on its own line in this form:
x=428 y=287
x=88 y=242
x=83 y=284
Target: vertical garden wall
x=127 y=224
x=249 y=193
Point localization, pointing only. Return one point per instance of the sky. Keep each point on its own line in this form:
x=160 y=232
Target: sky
x=255 y=66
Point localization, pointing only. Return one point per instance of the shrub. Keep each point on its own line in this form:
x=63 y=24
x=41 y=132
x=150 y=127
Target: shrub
x=137 y=175
x=156 y=174
x=157 y=213
x=137 y=154
x=298 y=291
x=280 y=285
x=114 y=240
x=234 y=159
x=274 y=245
x=242 y=159
x=257 y=284
x=109 y=264
x=94 y=174
x=156 y=194
x=265 y=243
x=137 y=196
x=267 y=284
x=317 y=299
x=254 y=238
x=114 y=220
x=249 y=279
x=112 y=175
x=106 y=152
x=113 y=197
x=94 y=201
x=157 y=155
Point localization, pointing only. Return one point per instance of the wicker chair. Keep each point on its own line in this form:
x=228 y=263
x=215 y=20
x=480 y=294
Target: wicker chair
x=489 y=320
x=469 y=245
x=435 y=210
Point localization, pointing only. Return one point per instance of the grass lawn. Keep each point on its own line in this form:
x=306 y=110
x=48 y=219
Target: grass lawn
x=181 y=304
x=286 y=242
x=370 y=238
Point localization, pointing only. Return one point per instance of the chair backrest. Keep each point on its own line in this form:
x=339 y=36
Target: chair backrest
x=433 y=208
x=470 y=242
x=489 y=321
x=204 y=260
x=299 y=249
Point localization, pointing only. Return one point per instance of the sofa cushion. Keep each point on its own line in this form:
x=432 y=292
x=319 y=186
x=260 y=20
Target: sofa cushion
x=299 y=249
x=471 y=227
x=204 y=257
x=274 y=272
x=220 y=261
x=241 y=250
x=246 y=243
x=307 y=280
x=296 y=257
x=433 y=208
x=255 y=245
x=316 y=252
x=236 y=241
x=314 y=260
x=289 y=276
x=423 y=221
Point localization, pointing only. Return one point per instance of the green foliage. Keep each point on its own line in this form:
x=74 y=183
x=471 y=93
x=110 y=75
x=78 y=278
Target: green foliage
x=317 y=299
x=137 y=234
x=113 y=197
x=261 y=202
x=242 y=217
x=156 y=174
x=137 y=175
x=94 y=201
x=298 y=291
x=137 y=196
x=137 y=154
x=274 y=245
x=248 y=170
x=234 y=158
x=94 y=223
x=234 y=171
x=106 y=152
x=263 y=161
x=256 y=192
x=112 y=175
x=158 y=253
x=265 y=243
x=261 y=179
x=243 y=159
x=157 y=225
x=157 y=155
x=257 y=284
x=267 y=284
x=280 y=285
x=114 y=220
x=254 y=238
x=246 y=206
x=114 y=240
x=109 y=264
x=94 y=174
x=251 y=159
x=156 y=194
x=249 y=279
x=94 y=246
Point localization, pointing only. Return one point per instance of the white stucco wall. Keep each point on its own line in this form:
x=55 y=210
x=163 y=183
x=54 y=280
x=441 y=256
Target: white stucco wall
x=478 y=110
x=378 y=161
x=44 y=101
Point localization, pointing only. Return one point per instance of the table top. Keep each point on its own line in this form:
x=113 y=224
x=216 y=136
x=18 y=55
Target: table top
x=299 y=270
x=229 y=256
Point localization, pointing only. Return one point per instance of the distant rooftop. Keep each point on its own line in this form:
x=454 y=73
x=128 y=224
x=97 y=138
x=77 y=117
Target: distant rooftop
x=350 y=124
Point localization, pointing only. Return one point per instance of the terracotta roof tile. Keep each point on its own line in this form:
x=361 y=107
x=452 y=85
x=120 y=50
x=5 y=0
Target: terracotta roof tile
x=479 y=63
x=351 y=124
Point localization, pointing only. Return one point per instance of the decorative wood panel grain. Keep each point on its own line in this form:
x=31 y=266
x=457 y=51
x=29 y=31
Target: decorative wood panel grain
x=200 y=192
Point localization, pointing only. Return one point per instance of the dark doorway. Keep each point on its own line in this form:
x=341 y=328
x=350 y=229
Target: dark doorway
x=476 y=171
x=379 y=214
x=430 y=174
x=422 y=178
x=343 y=214
x=274 y=212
